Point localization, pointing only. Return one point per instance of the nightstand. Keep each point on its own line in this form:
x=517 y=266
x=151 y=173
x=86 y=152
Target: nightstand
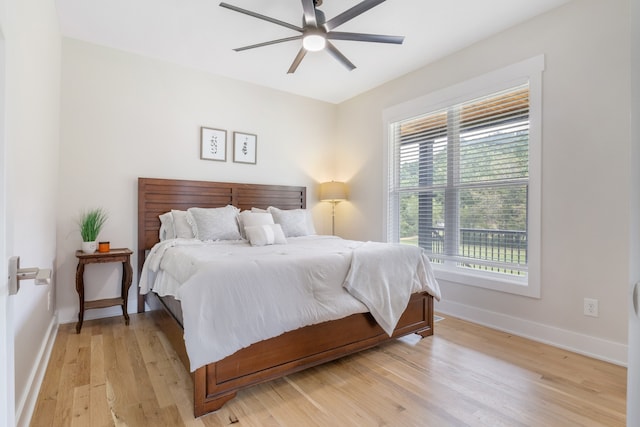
x=122 y=255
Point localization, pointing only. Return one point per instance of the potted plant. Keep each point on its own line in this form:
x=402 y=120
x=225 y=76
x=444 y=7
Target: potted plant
x=91 y=223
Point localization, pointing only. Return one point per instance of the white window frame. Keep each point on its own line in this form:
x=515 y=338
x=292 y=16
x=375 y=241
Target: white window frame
x=530 y=71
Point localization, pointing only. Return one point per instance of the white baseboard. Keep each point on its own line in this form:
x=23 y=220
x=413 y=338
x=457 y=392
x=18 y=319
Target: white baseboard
x=586 y=345
x=27 y=402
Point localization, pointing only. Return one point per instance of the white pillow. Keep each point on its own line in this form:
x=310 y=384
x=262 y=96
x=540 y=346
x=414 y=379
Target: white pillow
x=267 y=234
x=167 y=231
x=249 y=218
x=294 y=222
x=258 y=210
x=181 y=226
x=215 y=223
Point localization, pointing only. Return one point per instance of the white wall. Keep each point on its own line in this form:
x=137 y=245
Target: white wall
x=125 y=116
x=32 y=106
x=586 y=173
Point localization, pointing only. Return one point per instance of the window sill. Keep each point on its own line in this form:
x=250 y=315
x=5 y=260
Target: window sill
x=494 y=281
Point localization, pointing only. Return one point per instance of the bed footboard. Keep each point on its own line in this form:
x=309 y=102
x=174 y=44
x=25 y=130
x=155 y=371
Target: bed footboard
x=217 y=383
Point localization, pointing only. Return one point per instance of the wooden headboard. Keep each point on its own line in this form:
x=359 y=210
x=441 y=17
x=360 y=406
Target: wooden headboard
x=157 y=196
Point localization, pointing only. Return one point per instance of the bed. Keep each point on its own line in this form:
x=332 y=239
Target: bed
x=218 y=382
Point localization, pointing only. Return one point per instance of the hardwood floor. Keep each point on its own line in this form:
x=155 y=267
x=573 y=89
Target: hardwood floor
x=464 y=375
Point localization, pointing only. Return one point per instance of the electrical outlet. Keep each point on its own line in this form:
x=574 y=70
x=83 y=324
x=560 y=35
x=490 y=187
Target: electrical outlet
x=591 y=307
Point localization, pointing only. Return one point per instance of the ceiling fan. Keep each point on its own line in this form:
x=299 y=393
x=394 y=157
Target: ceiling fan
x=316 y=31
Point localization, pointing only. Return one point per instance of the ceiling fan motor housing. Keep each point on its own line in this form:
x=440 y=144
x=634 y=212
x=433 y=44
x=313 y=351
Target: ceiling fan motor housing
x=320 y=19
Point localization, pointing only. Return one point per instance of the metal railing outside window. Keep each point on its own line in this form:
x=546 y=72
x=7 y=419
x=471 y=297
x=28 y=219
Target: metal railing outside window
x=504 y=249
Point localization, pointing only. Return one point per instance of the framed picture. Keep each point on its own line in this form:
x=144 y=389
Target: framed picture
x=213 y=144
x=244 y=147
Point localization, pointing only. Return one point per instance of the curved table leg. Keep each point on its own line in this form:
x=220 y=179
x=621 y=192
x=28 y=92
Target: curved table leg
x=80 y=290
x=127 y=275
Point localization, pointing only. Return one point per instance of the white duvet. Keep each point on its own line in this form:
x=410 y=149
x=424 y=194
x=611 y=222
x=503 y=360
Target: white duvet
x=234 y=295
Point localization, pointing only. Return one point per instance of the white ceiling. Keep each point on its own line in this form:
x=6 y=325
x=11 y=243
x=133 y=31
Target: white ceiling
x=201 y=34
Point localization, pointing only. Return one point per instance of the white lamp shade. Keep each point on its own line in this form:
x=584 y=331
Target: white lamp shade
x=333 y=191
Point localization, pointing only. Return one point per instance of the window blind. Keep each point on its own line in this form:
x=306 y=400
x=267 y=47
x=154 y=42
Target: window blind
x=459 y=182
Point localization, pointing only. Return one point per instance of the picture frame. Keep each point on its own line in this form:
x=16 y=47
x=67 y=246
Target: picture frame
x=213 y=144
x=245 y=147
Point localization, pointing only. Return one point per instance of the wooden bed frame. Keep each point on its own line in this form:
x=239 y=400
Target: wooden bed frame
x=216 y=383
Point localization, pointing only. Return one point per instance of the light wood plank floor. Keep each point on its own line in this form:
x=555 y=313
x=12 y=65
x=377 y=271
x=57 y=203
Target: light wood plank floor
x=465 y=375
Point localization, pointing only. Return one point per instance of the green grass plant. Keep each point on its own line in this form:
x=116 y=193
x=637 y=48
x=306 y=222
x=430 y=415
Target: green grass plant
x=91 y=223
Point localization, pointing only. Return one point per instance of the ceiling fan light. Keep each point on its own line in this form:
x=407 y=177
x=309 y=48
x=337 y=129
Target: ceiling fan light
x=314 y=42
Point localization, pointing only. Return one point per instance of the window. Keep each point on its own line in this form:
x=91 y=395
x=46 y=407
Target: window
x=461 y=175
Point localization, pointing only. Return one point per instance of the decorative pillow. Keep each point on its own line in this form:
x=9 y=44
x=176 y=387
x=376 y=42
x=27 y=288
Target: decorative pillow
x=267 y=234
x=167 y=231
x=258 y=210
x=181 y=226
x=215 y=223
x=249 y=218
x=294 y=222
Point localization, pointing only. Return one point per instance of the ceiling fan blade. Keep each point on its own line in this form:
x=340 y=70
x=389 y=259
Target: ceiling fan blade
x=339 y=56
x=361 y=37
x=309 y=13
x=286 y=39
x=259 y=16
x=297 y=61
x=349 y=14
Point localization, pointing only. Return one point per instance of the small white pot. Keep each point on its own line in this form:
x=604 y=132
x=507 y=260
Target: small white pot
x=89 y=247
